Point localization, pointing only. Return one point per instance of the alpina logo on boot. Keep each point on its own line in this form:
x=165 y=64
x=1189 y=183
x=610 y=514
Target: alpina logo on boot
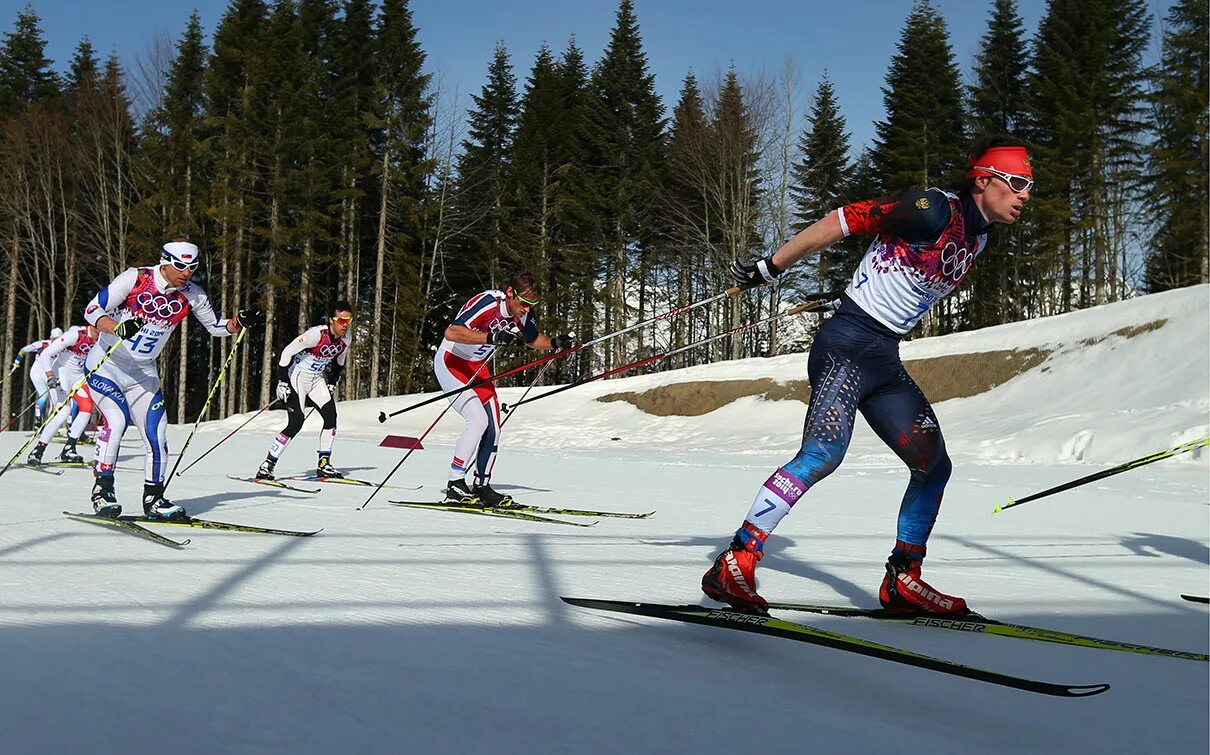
x=928 y=595
x=737 y=574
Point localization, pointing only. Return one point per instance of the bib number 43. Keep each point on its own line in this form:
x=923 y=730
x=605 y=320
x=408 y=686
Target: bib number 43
x=143 y=342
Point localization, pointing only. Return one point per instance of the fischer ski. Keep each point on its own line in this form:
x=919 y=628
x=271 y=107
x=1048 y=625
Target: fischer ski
x=128 y=526
x=349 y=481
x=274 y=484
x=977 y=624
x=1196 y=598
x=518 y=506
x=210 y=524
x=726 y=618
x=40 y=468
x=484 y=511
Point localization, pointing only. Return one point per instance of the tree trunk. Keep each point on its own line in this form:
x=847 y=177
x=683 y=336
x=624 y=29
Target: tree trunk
x=379 y=267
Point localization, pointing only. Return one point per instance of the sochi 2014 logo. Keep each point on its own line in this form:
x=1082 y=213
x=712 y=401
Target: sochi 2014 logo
x=955 y=261
x=159 y=306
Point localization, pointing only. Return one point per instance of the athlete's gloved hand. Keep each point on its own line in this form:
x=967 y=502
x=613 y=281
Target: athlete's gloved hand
x=335 y=372
x=283 y=391
x=16 y=361
x=509 y=335
x=755 y=273
x=128 y=328
x=564 y=341
x=250 y=318
x=52 y=381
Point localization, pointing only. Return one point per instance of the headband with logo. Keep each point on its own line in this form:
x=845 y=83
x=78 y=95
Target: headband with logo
x=1014 y=160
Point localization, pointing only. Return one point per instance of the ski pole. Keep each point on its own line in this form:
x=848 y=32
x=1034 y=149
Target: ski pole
x=809 y=306
x=733 y=291
x=63 y=403
x=228 y=435
x=1126 y=467
x=206 y=406
x=532 y=383
x=33 y=402
x=423 y=435
x=9 y=374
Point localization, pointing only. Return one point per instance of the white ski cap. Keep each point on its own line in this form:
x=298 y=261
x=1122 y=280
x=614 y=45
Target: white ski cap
x=181 y=251
x=56 y=332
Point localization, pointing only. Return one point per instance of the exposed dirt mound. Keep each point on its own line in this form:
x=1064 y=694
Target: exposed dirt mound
x=941 y=378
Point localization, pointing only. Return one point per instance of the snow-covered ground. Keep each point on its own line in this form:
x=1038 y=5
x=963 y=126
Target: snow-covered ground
x=399 y=630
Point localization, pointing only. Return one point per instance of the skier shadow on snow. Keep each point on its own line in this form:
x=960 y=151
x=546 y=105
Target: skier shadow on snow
x=1153 y=546
x=208 y=503
x=774 y=561
x=505 y=486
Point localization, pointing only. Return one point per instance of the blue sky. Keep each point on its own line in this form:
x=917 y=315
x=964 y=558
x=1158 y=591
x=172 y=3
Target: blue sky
x=853 y=40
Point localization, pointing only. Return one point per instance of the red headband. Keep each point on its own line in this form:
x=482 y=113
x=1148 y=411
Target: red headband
x=1014 y=160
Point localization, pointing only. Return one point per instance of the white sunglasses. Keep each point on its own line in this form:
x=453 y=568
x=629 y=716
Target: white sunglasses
x=1017 y=183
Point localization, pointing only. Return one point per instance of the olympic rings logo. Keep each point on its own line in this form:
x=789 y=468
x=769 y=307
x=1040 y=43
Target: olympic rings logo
x=955 y=262
x=329 y=350
x=159 y=305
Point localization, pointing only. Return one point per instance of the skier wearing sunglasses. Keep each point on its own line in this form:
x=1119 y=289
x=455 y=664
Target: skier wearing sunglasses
x=307 y=373
x=925 y=242
x=141 y=308
x=489 y=320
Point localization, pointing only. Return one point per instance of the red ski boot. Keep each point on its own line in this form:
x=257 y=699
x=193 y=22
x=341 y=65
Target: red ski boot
x=732 y=578
x=904 y=590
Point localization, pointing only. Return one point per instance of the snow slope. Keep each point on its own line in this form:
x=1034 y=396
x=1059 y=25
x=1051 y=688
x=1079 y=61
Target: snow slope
x=398 y=630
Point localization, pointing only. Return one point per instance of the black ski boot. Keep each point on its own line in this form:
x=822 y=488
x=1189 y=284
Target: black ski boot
x=69 y=454
x=104 y=499
x=493 y=499
x=156 y=506
x=35 y=455
x=325 y=469
x=266 y=469
x=457 y=491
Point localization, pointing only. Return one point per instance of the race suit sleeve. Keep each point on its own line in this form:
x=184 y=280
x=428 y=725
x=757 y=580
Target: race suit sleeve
x=203 y=312
x=29 y=348
x=916 y=216
x=55 y=347
x=308 y=340
x=110 y=298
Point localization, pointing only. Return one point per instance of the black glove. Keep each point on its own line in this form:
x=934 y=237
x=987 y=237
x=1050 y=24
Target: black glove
x=755 y=273
x=250 y=318
x=52 y=381
x=128 y=328
x=507 y=336
x=335 y=373
x=564 y=341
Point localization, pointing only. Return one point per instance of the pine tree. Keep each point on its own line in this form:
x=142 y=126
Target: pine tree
x=683 y=215
x=627 y=145
x=997 y=285
x=82 y=74
x=822 y=182
x=922 y=140
x=575 y=261
x=539 y=158
x=735 y=188
x=237 y=92
x=1179 y=158
x=1085 y=112
x=26 y=75
x=402 y=119
x=484 y=177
